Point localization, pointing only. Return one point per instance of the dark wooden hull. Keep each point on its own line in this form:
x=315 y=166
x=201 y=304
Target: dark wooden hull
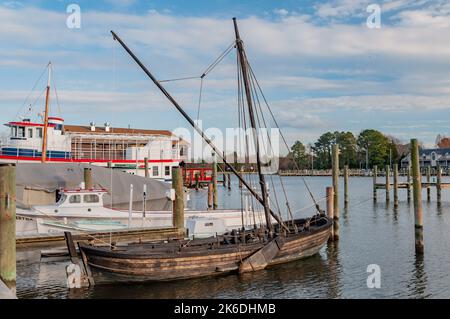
x=148 y=262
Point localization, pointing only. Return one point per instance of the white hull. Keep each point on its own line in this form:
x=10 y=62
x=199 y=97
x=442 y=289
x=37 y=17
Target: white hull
x=108 y=219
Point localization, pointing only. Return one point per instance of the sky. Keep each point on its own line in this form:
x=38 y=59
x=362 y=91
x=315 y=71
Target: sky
x=320 y=66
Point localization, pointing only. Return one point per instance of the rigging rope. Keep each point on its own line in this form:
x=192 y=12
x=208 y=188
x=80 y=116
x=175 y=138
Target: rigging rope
x=180 y=79
x=283 y=138
x=289 y=212
x=200 y=98
x=207 y=70
x=31 y=91
x=56 y=91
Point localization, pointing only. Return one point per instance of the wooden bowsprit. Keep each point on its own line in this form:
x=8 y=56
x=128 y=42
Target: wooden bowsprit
x=262 y=257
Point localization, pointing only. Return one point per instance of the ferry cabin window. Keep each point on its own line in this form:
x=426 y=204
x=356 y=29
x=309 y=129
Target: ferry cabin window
x=14 y=131
x=183 y=150
x=62 y=199
x=167 y=170
x=39 y=132
x=30 y=133
x=75 y=199
x=21 y=131
x=155 y=170
x=91 y=198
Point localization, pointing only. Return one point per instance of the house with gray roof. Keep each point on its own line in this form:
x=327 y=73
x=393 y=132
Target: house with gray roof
x=432 y=157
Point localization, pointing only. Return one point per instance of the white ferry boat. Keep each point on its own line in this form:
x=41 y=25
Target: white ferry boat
x=120 y=148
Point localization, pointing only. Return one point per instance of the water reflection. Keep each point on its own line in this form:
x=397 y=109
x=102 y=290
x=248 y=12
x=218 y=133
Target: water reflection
x=370 y=233
x=345 y=214
x=418 y=284
x=334 y=289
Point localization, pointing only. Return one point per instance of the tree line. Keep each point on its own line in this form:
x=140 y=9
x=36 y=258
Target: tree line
x=368 y=148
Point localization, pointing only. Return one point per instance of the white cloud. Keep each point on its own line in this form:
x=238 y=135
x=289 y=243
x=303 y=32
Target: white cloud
x=121 y=3
x=341 y=8
x=281 y=12
x=12 y=4
x=382 y=103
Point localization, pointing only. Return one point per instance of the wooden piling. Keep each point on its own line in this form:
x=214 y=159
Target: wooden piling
x=417 y=195
x=395 y=185
x=438 y=184
x=178 y=203
x=428 y=183
x=88 y=183
x=197 y=185
x=214 y=181
x=8 y=225
x=346 y=185
x=224 y=175
x=375 y=169
x=130 y=207
x=408 y=181
x=330 y=209
x=229 y=181
x=335 y=170
x=210 y=195
x=146 y=167
x=388 y=183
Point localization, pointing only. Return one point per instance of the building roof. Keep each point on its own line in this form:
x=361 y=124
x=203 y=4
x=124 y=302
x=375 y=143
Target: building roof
x=114 y=130
x=428 y=151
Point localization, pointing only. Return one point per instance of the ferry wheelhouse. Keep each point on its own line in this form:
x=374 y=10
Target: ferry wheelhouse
x=119 y=148
x=25 y=141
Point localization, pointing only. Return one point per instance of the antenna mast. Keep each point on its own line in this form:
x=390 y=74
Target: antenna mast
x=47 y=100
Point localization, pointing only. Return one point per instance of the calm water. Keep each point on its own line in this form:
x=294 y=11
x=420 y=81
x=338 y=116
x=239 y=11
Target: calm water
x=371 y=233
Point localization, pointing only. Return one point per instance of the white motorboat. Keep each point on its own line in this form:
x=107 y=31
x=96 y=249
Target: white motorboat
x=84 y=210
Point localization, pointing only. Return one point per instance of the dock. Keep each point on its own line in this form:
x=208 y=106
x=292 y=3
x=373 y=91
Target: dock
x=426 y=183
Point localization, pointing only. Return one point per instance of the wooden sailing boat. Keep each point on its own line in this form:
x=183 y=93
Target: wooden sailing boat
x=240 y=251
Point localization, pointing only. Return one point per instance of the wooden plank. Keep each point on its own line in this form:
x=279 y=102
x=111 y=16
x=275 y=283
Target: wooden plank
x=87 y=269
x=71 y=247
x=262 y=257
x=52 y=240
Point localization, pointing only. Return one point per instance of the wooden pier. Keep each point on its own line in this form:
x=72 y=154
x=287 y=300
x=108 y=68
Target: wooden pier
x=427 y=184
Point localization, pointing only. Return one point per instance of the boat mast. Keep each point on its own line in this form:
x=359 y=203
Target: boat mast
x=248 y=95
x=198 y=129
x=47 y=99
